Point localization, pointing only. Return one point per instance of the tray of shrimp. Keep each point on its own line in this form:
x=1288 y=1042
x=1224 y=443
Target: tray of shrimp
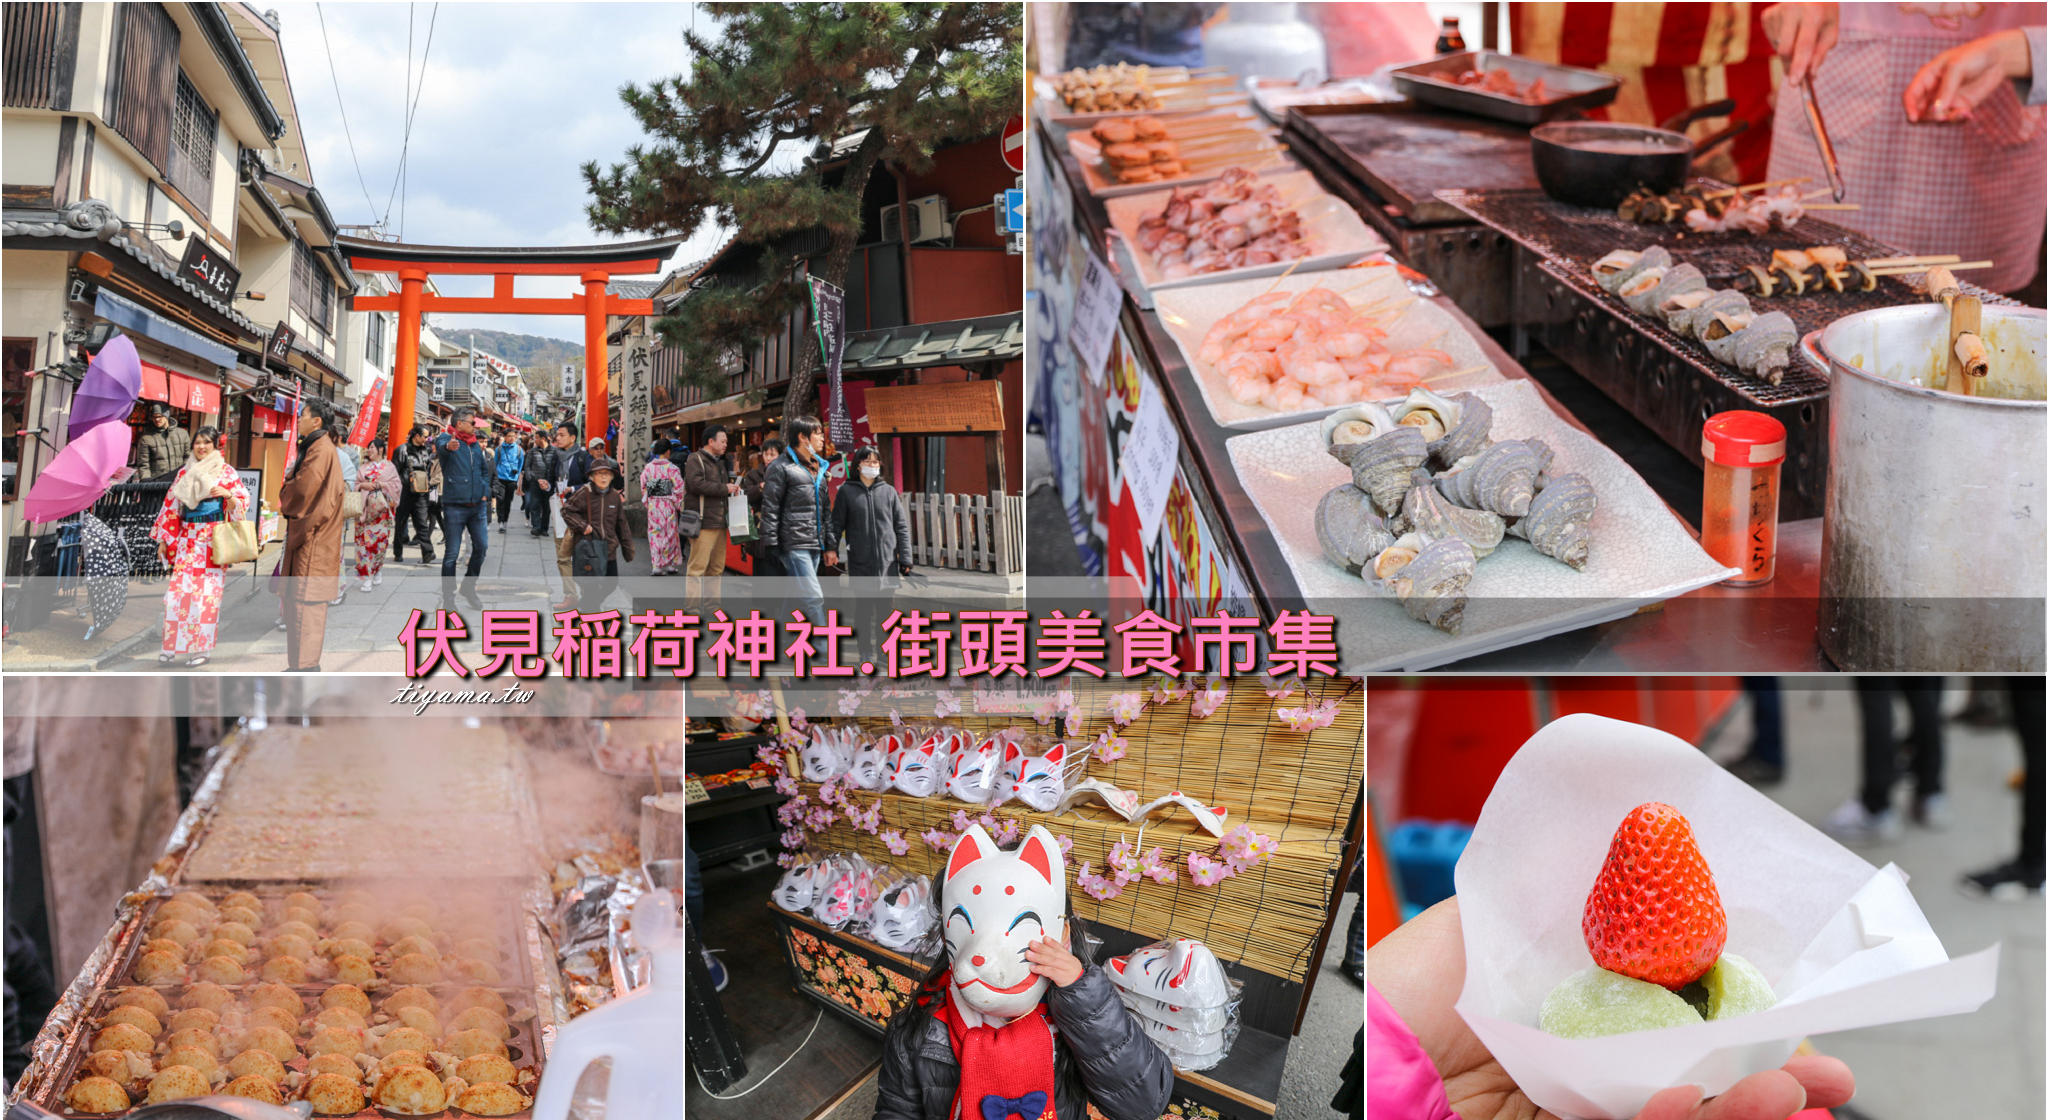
x=1265 y=353
x=1236 y=226
x=1132 y=155
x=389 y=1004
x=439 y=1051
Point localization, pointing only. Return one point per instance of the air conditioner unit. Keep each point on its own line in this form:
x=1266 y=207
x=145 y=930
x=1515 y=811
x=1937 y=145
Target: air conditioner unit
x=928 y=221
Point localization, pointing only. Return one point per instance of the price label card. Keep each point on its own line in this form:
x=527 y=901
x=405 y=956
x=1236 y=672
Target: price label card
x=759 y=783
x=694 y=792
x=1151 y=453
x=1097 y=299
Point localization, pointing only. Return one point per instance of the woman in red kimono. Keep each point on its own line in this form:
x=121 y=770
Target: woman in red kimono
x=206 y=491
x=378 y=480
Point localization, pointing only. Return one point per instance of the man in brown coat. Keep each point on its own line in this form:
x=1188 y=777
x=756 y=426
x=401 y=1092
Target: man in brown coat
x=706 y=487
x=311 y=503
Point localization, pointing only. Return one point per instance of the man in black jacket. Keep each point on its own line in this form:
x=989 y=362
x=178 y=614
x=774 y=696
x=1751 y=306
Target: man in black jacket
x=539 y=473
x=416 y=471
x=869 y=519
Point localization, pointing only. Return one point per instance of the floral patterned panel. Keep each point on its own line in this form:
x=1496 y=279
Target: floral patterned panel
x=872 y=991
x=1179 y=1110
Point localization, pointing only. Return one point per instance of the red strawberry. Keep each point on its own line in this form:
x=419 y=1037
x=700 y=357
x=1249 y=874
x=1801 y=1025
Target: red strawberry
x=1654 y=913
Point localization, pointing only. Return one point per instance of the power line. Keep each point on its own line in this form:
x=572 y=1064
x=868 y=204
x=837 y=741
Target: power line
x=399 y=180
x=344 y=112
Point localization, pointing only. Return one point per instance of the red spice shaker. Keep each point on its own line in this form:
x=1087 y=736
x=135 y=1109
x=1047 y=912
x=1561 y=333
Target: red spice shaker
x=1744 y=453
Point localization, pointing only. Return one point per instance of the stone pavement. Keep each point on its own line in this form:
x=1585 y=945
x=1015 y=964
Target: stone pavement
x=518 y=573
x=1983 y=1064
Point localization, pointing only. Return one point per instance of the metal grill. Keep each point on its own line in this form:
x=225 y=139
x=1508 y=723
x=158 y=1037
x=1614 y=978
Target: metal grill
x=1571 y=238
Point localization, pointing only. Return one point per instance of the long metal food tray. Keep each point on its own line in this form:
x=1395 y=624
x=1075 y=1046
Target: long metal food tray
x=1435 y=83
x=530 y=1013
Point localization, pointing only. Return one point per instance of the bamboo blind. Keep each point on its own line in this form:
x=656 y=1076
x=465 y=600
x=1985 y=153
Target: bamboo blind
x=1297 y=788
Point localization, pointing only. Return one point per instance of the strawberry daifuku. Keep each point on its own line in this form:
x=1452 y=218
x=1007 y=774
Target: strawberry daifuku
x=1654 y=913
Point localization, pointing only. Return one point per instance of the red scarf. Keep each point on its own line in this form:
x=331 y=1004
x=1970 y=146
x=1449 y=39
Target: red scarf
x=466 y=437
x=1004 y=1071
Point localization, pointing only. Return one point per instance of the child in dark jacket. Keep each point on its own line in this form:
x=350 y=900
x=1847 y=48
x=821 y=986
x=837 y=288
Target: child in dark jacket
x=596 y=514
x=1012 y=1025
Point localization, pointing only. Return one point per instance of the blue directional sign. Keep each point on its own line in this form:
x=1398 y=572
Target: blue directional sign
x=1013 y=211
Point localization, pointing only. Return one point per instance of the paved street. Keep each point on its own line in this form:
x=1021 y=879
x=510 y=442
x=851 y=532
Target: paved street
x=1984 y=1064
x=519 y=573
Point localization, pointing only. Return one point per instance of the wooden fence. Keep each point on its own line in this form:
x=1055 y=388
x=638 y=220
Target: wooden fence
x=967 y=531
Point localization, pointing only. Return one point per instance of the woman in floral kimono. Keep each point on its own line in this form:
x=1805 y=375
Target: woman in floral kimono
x=661 y=486
x=206 y=491
x=378 y=480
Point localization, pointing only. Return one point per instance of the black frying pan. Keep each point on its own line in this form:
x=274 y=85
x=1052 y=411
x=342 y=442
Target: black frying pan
x=1594 y=163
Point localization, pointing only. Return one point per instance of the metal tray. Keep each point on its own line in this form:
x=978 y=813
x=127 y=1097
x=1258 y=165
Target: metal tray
x=519 y=975
x=1434 y=83
x=516 y=986
x=524 y=1051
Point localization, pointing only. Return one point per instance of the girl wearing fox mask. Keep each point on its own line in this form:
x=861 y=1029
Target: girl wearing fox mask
x=1012 y=1025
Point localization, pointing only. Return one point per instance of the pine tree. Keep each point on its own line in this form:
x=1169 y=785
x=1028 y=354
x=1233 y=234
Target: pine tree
x=724 y=141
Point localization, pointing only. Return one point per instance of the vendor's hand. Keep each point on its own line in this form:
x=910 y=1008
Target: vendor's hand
x=1959 y=79
x=1420 y=968
x=1802 y=34
x=1050 y=959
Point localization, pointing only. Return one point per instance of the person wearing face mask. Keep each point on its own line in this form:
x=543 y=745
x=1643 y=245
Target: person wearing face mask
x=869 y=517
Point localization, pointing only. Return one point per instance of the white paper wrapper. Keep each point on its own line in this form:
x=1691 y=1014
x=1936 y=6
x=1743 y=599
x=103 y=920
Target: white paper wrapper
x=1842 y=943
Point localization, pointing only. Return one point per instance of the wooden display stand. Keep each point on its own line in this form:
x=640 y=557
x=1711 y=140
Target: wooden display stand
x=1270 y=925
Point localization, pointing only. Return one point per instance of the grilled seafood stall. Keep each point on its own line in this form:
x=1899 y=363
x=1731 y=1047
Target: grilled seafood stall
x=1507 y=535
x=344 y=919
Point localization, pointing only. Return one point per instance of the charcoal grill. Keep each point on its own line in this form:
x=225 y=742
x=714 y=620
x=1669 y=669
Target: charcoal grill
x=1670 y=383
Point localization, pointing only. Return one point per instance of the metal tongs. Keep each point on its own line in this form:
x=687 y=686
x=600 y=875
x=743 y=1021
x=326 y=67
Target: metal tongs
x=1820 y=139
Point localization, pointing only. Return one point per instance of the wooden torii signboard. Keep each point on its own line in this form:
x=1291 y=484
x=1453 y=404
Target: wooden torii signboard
x=949 y=409
x=595 y=265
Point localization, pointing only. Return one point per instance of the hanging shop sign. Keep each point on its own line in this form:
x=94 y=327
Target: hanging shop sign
x=209 y=268
x=954 y=406
x=280 y=345
x=828 y=311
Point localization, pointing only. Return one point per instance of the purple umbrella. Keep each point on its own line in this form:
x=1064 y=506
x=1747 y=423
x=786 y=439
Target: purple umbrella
x=109 y=389
x=79 y=474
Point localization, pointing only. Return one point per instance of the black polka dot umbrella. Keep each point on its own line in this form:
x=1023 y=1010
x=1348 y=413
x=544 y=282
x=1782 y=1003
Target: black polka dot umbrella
x=106 y=571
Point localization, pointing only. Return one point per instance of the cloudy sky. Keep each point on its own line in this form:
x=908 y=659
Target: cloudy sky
x=516 y=98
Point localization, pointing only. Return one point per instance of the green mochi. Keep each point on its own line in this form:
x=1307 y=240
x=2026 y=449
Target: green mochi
x=1736 y=988
x=1597 y=1002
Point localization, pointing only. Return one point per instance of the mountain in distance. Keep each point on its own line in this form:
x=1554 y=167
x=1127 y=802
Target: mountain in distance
x=530 y=352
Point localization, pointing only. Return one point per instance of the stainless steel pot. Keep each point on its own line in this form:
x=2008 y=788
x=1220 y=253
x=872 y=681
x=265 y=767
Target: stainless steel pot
x=1934 y=553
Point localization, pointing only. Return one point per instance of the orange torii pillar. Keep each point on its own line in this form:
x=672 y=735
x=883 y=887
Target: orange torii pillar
x=405 y=372
x=596 y=393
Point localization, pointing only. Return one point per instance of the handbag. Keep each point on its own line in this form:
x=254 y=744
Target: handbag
x=234 y=542
x=422 y=481
x=588 y=560
x=351 y=505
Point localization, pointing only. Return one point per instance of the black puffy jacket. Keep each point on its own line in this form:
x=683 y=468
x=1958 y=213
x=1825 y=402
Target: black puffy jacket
x=1100 y=1058
x=791 y=516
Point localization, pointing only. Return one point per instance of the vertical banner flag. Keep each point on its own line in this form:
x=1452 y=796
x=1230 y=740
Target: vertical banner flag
x=637 y=423
x=291 y=438
x=368 y=417
x=828 y=310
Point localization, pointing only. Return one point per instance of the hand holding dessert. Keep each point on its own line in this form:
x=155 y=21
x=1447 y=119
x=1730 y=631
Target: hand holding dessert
x=1418 y=971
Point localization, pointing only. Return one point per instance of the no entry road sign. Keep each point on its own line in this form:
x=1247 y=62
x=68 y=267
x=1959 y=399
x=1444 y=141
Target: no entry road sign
x=1013 y=143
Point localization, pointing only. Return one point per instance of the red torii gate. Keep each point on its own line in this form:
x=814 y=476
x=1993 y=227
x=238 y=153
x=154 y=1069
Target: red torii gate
x=594 y=264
